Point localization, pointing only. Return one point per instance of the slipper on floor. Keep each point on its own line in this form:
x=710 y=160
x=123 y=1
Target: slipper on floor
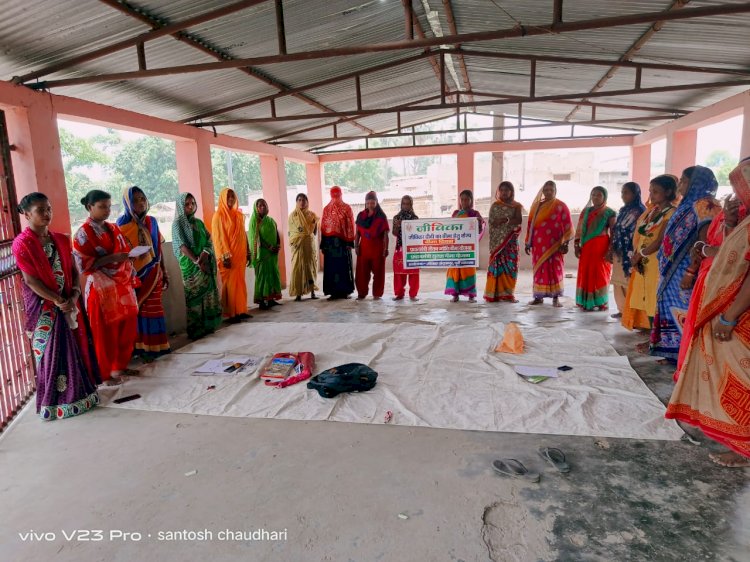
x=555 y=457
x=514 y=469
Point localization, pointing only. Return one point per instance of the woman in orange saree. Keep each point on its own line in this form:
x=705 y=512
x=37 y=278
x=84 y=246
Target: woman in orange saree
x=549 y=232
x=713 y=388
x=232 y=255
x=140 y=229
x=505 y=218
x=592 y=247
x=101 y=254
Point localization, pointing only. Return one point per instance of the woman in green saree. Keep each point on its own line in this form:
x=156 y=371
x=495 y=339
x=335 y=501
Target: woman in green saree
x=192 y=246
x=264 y=249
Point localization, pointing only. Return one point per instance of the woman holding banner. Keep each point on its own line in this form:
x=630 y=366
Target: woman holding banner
x=463 y=280
x=506 y=216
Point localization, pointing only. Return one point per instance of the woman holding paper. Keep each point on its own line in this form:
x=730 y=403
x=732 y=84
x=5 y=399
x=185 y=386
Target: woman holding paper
x=463 y=280
x=265 y=244
x=101 y=254
x=233 y=255
x=401 y=275
x=191 y=244
x=371 y=245
x=547 y=237
x=66 y=369
x=142 y=231
x=593 y=252
x=506 y=216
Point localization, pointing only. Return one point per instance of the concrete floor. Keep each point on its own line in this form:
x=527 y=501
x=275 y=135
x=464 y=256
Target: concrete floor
x=358 y=492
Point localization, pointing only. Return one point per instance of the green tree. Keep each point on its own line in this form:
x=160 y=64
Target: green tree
x=245 y=170
x=296 y=174
x=722 y=163
x=364 y=175
x=149 y=163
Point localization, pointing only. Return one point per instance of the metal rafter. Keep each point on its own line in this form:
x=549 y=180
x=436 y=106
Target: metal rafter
x=509 y=100
x=219 y=54
x=162 y=31
x=631 y=52
x=454 y=31
x=517 y=31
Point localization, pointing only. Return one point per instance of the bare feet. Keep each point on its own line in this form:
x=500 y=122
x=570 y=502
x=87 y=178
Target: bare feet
x=616 y=315
x=455 y=298
x=643 y=348
x=472 y=299
x=131 y=372
x=556 y=303
x=413 y=299
x=730 y=459
x=313 y=297
x=298 y=298
x=398 y=298
x=536 y=302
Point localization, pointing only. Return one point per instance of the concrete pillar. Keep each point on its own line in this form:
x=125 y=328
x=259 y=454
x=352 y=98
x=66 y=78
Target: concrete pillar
x=37 y=159
x=640 y=166
x=315 y=187
x=681 y=150
x=273 y=176
x=194 y=175
x=745 y=142
x=496 y=171
x=465 y=172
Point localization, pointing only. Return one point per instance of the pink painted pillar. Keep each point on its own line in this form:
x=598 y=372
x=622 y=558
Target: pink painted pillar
x=640 y=166
x=273 y=177
x=315 y=187
x=745 y=141
x=465 y=172
x=37 y=159
x=681 y=151
x=194 y=175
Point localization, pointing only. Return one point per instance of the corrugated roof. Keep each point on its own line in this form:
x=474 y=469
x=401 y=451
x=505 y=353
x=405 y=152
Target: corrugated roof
x=36 y=33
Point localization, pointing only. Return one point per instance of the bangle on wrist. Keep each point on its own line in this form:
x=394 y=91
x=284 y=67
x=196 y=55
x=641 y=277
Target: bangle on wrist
x=703 y=250
x=724 y=322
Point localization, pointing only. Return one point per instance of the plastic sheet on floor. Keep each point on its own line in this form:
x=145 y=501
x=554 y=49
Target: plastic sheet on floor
x=440 y=376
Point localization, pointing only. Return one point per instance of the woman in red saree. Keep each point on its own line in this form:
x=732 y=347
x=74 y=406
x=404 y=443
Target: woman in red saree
x=371 y=245
x=713 y=388
x=702 y=255
x=337 y=240
x=101 y=254
x=505 y=218
x=66 y=371
x=549 y=232
x=592 y=247
x=140 y=229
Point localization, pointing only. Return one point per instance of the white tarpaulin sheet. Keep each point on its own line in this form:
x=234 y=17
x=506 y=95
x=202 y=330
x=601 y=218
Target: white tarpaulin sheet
x=442 y=376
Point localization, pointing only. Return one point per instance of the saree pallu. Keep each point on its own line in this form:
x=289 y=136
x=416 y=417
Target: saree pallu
x=594 y=273
x=338 y=275
x=304 y=253
x=502 y=269
x=66 y=372
x=713 y=388
x=228 y=233
x=201 y=293
x=266 y=263
x=110 y=295
x=674 y=259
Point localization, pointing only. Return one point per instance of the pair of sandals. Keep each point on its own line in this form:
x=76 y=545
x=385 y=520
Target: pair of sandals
x=515 y=469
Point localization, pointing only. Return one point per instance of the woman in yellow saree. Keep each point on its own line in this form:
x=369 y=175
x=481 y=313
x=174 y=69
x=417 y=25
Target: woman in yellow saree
x=713 y=388
x=303 y=228
x=232 y=255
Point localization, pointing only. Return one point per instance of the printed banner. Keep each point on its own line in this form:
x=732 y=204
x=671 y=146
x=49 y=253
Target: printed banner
x=441 y=243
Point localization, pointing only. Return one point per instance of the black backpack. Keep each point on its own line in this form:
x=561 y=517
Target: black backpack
x=352 y=377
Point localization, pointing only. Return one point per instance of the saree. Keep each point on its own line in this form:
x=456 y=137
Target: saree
x=109 y=294
x=713 y=387
x=263 y=236
x=549 y=228
x=622 y=244
x=152 y=340
x=714 y=237
x=594 y=271
x=336 y=243
x=201 y=294
x=228 y=231
x=371 y=261
x=66 y=371
x=463 y=280
x=696 y=209
x=304 y=252
x=640 y=300
x=502 y=270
